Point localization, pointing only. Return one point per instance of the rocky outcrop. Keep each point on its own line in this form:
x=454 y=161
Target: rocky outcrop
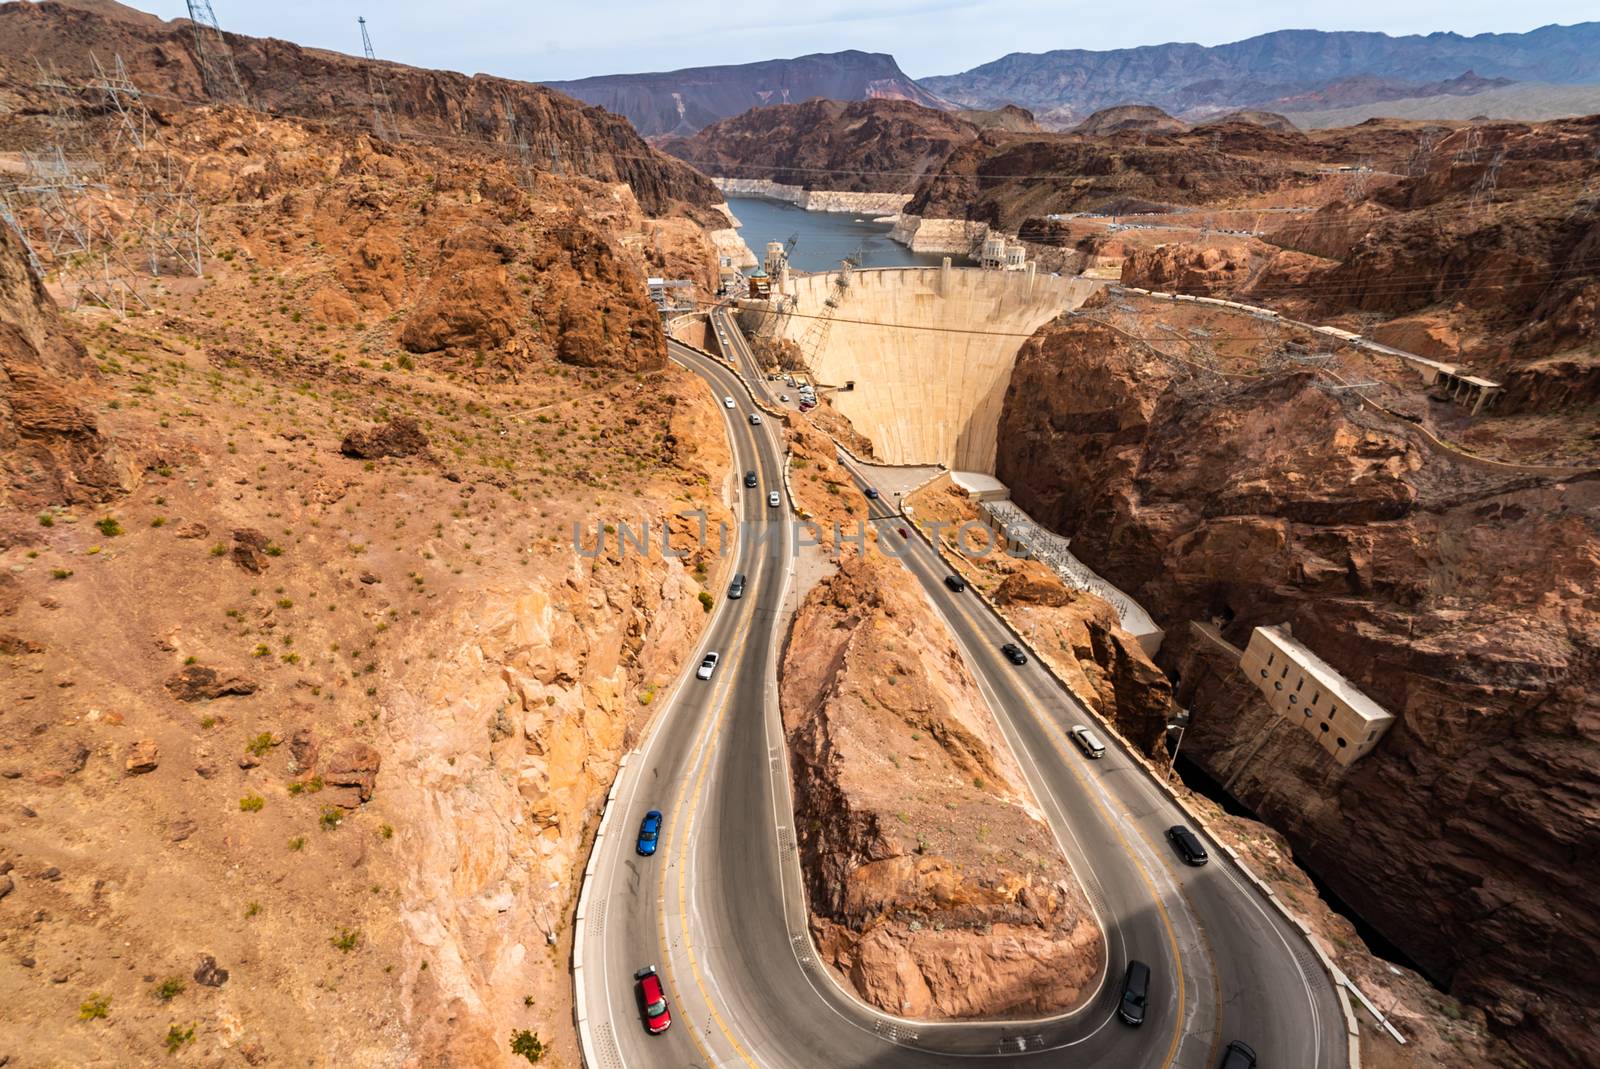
x=904 y=793
x=1459 y=597
x=398 y=437
x=52 y=451
x=1123 y=118
x=871 y=146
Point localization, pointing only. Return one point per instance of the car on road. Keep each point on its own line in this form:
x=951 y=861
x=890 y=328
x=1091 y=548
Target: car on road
x=871 y=492
x=1238 y=1056
x=772 y=498
x=955 y=582
x=1087 y=741
x=1135 y=991
x=1191 y=849
x=653 y=1001
x=750 y=479
x=649 y=832
x=1014 y=653
x=708 y=664
x=904 y=533
x=755 y=419
x=736 y=588
x=784 y=398
x=727 y=402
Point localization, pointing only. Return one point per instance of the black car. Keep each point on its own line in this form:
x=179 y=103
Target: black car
x=1135 y=989
x=955 y=582
x=1238 y=1056
x=1014 y=653
x=736 y=588
x=750 y=478
x=872 y=493
x=1191 y=849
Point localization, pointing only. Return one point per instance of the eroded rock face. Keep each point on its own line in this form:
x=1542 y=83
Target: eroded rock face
x=1461 y=598
x=904 y=792
x=51 y=449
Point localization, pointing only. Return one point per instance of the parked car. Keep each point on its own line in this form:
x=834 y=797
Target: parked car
x=1238 y=1056
x=1191 y=849
x=750 y=479
x=708 y=664
x=736 y=588
x=784 y=398
x=755 y=419
x=1135 y=991
x=1014 y=653
x=872 y=493
x=653 y=1001
x=955 y=582
x=727 y=402
x=772 y=498
x=1088 y=742
x=649 y=832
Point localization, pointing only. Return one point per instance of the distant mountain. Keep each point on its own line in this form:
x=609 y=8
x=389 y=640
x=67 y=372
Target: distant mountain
x=1276 y=71
x=680 y=103
x=864 y=146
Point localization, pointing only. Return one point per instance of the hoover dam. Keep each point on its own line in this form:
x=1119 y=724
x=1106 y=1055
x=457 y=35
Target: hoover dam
x=929 y=349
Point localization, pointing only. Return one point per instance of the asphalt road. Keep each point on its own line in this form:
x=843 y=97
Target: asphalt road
x=720 y=911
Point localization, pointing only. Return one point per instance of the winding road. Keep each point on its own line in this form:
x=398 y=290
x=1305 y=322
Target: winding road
x=720 y=908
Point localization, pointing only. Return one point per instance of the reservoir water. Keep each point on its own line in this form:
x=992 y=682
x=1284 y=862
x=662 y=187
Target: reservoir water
x=824 y=237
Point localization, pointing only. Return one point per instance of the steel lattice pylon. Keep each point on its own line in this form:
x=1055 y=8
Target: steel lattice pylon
x=212 y=55
x=383 y=123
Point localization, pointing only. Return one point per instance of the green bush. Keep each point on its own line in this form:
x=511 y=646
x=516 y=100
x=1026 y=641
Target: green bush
x=252 y=803
x=109 y=527
x=705 y=600
x=527 y=1044
x=95 y=1007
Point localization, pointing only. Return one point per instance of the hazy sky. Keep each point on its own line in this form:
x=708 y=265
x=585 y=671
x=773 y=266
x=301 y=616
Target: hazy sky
x=555 y=39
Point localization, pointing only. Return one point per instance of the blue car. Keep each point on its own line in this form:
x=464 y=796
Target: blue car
x=649 y=832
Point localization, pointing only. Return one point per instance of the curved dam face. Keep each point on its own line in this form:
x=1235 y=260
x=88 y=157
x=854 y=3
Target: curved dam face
x=930 y=350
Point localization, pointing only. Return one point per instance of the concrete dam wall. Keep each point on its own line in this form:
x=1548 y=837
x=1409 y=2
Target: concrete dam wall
x=930 y=350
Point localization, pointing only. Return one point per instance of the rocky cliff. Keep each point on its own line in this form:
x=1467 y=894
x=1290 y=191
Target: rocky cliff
x=467 y=113
x=311 y=703
x=679 y=103
x=1459 y=596
x=872 y=146
x=935 y=889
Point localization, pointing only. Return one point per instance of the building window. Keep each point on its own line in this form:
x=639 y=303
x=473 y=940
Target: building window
x=1263 y=673
x=1301 y=684
x=1317 y=697
x=1270 y=657
x=1277 y=685
x=1342 y=744
x=1293 y=699
x=1324 y=727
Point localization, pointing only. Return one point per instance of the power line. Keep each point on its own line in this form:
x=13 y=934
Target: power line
x=218 y=74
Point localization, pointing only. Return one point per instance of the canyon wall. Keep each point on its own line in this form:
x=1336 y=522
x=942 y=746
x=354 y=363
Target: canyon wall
x=815 y=200
x=935 y=888
x=930 y=351
x=1462 y=598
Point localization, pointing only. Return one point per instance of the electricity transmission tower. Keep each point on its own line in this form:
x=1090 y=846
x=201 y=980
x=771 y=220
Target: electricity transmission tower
x=383 y=123
x=212 y=55
x=523 y=154
x=1483 y=191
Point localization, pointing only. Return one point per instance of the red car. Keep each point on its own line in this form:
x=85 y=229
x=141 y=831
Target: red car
x=904 y=533
x=653 y=1001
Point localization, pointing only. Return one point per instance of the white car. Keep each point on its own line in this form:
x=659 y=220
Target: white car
x=772 y=498
x=755 y=419
x=708 y=664
x=784 y=398
x=727 y=402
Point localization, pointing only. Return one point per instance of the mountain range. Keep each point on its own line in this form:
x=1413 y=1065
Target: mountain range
x=679 y=103
x=1525 y=75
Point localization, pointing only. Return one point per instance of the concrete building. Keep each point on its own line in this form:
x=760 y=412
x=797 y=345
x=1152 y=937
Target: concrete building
x=1306 y=690
x=760 y=284
x=1000 y=254
x=671 y=295
x=776 y=265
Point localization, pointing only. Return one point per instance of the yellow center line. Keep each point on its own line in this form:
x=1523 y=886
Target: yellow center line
x=1069 y=763
x=707 y=745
